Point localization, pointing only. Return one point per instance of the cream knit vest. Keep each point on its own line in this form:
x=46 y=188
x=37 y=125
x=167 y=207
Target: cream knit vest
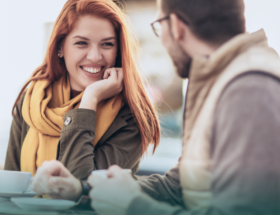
x=208 y=78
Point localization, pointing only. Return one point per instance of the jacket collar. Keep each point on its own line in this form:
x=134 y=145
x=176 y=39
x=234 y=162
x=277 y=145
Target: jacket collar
x=205 y=66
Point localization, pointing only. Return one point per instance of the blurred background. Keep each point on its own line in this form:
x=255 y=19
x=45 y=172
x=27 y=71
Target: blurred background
x=25 y=29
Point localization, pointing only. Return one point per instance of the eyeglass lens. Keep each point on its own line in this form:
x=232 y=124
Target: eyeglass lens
x=157 y=28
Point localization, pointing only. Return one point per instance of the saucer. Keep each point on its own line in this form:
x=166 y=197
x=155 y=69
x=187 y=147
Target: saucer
x=38 y=204
x=13 y=194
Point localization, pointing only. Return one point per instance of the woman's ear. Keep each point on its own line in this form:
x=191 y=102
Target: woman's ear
x=60 y=52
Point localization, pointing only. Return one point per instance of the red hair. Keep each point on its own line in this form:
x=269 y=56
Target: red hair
x=53 y=68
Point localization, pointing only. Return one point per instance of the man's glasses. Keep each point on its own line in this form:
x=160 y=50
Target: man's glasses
x=156 y=26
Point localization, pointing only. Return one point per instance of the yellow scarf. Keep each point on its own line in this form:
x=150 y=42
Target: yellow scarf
x=43 y=109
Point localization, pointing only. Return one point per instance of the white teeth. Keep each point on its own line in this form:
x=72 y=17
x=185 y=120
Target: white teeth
x=91 y=70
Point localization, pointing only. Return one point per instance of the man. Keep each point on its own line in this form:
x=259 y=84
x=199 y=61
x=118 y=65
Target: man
x=231 y=141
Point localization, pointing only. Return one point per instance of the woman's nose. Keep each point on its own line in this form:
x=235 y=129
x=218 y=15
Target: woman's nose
x=94 y=54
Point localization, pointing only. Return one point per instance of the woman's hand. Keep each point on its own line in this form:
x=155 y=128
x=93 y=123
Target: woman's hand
x=111 y=85
x=54 y=180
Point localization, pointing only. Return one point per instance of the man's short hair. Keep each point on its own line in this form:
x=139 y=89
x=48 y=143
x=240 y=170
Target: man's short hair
x=214 y=21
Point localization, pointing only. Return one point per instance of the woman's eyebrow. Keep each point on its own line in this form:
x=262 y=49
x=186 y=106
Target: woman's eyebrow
x=109 y=38
x=105 y=39
x=84 y=38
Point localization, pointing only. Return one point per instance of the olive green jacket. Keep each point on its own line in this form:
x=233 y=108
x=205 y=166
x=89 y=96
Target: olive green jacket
x=121 y=143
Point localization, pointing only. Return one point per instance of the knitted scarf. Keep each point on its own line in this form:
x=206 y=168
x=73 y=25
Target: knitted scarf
x=43 y=109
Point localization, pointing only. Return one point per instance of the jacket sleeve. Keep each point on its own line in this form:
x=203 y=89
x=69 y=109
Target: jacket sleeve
x=164 y=188
x=15 y=141
x=77 y=152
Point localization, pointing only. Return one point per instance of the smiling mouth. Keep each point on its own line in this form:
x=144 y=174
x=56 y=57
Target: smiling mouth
x=91 y=70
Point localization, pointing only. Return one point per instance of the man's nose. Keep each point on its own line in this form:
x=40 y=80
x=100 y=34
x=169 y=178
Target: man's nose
x=94 y=54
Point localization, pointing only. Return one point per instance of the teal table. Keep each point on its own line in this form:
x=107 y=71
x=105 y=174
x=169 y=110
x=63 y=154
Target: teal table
x=8 y=207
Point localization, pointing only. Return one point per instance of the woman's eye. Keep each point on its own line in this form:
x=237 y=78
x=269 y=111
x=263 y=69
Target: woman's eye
x=108 y=44
x=81 y=43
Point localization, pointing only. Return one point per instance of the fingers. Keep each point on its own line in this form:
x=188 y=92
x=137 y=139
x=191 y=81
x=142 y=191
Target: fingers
x=59 y=187
x=116 y=76
x=114 y=171
x=113 y=193
x=93 y=180
x=38 y=188
x=106 y=74
x=58 y=183
x=53 y=179
x=120 y=76
x=114 y=168
x=68 y=188
x=53 y=168
x=112 y=73
x=40 y=183
x=110 y=86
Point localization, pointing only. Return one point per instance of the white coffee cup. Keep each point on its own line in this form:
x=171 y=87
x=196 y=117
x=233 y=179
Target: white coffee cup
x=14 y=181
x=103 y=173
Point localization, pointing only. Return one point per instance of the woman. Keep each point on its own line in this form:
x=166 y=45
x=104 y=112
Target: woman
x=86 y=105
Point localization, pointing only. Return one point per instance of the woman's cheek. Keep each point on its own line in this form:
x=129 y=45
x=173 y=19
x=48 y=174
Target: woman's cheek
x=113 y=61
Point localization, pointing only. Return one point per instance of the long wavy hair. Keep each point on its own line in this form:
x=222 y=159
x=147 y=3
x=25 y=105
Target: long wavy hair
x=53 y=68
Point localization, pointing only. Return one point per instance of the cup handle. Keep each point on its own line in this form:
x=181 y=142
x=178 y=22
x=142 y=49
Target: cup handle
x=29 y=189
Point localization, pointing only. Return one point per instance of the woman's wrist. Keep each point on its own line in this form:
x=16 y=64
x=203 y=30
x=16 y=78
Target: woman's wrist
x=85 y=188
x=84 y=194
x=78 y=189
x=89 y=104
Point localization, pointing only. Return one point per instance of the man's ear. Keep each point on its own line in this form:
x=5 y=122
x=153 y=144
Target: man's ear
x=177 y=27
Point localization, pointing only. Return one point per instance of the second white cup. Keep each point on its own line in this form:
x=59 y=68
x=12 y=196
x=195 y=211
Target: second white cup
x=103 y=173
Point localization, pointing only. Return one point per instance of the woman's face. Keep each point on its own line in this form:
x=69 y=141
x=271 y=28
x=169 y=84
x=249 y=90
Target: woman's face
x=88 y=50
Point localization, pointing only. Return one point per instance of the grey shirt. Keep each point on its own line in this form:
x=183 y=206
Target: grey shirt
x=245 y=149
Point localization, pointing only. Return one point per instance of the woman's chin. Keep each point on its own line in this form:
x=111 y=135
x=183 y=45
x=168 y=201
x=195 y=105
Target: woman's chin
x=88 y=83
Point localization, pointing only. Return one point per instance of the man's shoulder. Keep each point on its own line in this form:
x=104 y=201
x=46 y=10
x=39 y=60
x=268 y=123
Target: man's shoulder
x=252 y=83
x=247 y=99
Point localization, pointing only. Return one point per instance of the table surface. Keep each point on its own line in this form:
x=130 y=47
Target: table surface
x=8 y=207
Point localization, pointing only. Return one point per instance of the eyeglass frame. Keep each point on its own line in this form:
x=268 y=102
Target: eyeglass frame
x=164 y=18
x=159 y=20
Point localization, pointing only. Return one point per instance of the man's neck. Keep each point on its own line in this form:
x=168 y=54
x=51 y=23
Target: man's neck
x=197 y=47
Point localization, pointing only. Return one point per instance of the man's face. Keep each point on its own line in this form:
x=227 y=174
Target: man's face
x=181 y=59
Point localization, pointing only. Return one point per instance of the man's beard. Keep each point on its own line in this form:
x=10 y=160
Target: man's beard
x=183 y=67
x=181 y=60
